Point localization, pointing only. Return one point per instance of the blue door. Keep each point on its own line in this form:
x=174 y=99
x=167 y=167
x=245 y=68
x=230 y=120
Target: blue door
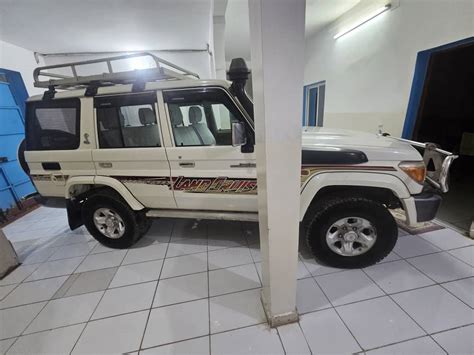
x=14 y=183
x=421 y=69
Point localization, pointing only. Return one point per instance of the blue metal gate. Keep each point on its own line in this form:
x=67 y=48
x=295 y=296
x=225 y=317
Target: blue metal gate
x=14 y=183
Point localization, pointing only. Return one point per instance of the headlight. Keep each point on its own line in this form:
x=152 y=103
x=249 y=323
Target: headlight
x=414 y=169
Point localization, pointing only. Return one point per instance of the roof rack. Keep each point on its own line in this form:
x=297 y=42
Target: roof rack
x=163 y=70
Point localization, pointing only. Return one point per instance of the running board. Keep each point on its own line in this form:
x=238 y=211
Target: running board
x=220 y=215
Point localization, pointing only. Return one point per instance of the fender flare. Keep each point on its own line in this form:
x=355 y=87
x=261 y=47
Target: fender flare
x=372 y=179
x=105 y=181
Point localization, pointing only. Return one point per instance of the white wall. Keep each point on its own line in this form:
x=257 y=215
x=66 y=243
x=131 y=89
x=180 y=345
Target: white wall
x=369 y=71
x=22 y=60
x=218 y=37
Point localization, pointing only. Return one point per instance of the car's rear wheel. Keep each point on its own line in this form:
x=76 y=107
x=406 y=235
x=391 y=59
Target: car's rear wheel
x=111 y=221
x=351 y=232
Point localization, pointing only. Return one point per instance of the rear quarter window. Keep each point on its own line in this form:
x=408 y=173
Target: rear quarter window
x=53 y=125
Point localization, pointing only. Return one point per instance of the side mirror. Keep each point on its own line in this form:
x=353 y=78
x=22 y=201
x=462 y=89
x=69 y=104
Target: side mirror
x=238 y=134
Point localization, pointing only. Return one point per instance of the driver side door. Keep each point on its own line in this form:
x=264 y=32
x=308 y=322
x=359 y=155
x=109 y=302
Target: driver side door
x=208 y=173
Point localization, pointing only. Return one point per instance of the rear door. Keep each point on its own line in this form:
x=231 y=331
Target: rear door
x=54 y=148
x=130 y=149
x=208 y=173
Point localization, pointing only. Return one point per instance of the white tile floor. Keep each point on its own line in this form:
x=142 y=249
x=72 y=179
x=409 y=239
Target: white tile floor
x=192 y=287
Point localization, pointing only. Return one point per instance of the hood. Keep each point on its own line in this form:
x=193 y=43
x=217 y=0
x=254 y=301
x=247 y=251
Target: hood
x=374 y=146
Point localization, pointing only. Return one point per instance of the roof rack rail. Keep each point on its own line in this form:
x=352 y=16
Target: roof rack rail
x=163 y=70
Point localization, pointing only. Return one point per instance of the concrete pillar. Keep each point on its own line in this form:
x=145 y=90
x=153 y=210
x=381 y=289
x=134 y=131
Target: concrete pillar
x=277 y=49
x=8 y=257
x=219 y=47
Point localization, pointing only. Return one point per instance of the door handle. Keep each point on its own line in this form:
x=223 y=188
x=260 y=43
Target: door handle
x=51 y=166
x=105 y=165
x=244 y=165
x=187 y=165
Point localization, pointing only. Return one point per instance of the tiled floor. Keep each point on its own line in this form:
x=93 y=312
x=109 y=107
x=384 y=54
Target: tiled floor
x=193 y=287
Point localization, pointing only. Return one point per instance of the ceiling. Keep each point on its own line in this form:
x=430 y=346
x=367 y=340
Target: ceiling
x=61 y=26
x=319 y=13
x=52 y=26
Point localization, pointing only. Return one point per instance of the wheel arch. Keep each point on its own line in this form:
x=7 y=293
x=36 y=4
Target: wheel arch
x=378 y=186
x=83 y=184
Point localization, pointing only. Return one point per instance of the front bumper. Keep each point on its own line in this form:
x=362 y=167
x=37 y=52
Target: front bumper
x=441 y=159
x=421 y=207
x=427 y=205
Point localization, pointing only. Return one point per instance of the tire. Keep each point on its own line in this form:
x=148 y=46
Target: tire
x=144 y=223
x=347 y=218
x=98 y=205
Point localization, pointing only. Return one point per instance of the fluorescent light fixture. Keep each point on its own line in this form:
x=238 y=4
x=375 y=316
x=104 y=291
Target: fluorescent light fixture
x=363 y=20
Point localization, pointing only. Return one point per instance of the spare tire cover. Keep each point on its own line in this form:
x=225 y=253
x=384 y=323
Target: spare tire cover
x=21 y=157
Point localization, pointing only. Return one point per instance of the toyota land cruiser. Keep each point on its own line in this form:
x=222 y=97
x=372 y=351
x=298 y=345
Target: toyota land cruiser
x=119 y=148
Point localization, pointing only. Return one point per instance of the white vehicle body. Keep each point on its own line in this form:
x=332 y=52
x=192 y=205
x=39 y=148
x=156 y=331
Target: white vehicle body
x=90 y=165
x=168 y=148
x=382 y=170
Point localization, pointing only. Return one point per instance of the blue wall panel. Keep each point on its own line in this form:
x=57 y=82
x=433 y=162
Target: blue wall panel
x=14 y=183
x=6 y=96
x=17 y=88
x=12 y=121
x=6 y=197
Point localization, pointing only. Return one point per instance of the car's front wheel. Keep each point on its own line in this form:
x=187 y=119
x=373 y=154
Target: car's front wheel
x=111 y=221
x=351 y=232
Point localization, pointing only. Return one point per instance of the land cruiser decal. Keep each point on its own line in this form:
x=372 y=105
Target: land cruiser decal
x=224 y=184
x=217 y=185
x=148 y=180
x=45 y=177
x=198 y=185
x=309 y=170
x=235 y=185
x=41 y=177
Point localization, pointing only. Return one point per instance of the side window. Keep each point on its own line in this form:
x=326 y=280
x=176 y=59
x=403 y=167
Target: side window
x=313 y=109
x=223 y=117
x=201 y=117
x=53 y=125
x=127 y=121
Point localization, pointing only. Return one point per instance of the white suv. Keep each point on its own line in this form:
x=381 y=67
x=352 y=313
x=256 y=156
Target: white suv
x=119 y=148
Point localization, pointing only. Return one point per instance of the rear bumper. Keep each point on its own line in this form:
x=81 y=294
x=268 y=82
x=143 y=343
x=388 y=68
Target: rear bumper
x=427 y=205
x=53 y=202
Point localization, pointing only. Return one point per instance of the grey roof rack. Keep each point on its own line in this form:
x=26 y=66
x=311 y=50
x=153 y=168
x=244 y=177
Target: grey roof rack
x=163 y=70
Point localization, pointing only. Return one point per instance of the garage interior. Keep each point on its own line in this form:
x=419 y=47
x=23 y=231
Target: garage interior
x=450 y=68
x=193 y=286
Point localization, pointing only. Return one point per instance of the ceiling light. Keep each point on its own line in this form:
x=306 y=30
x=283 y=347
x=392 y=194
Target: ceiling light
x=139 y=63
x=363 y=20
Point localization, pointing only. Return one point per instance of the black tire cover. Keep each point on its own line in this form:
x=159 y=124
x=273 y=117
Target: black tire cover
x=21 y=157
